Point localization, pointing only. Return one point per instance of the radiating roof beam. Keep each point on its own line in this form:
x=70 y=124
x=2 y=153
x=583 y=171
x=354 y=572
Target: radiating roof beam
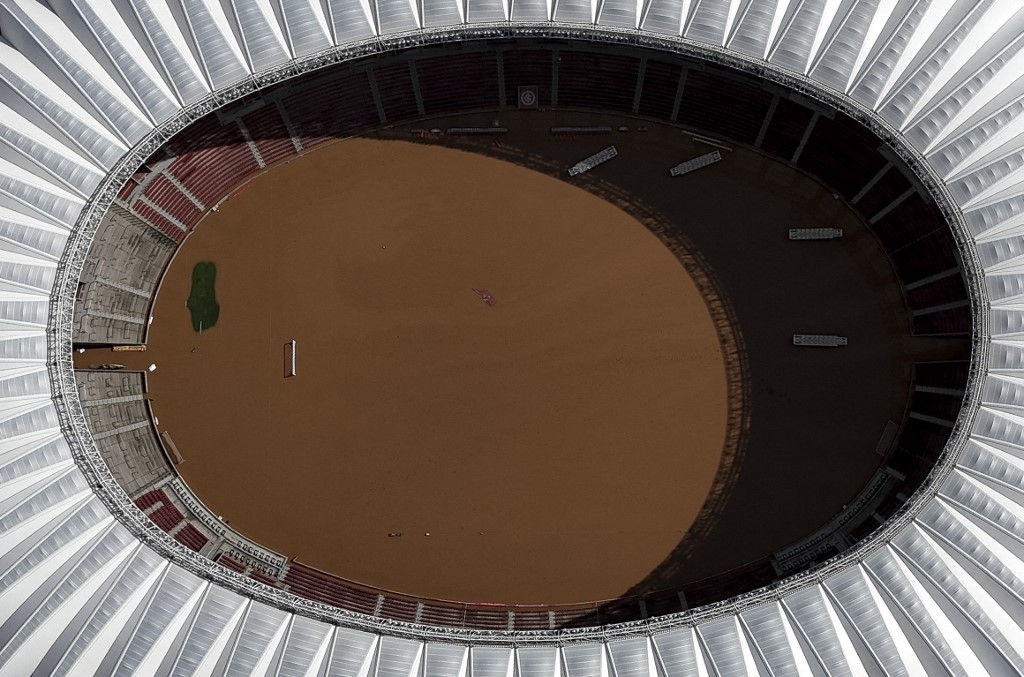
x=171 y=48
x=881 y=17
x=1008 y=186
x=997 y=15
x=828 y=15
x=935 y=12
x=27 y=657
x=781 y=9
x=1001 y=81
x=81 y=70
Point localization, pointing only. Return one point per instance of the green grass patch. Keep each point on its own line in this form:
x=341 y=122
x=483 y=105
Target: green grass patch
x=202 y=300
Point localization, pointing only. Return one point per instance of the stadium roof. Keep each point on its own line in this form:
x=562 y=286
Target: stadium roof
x=90 y=87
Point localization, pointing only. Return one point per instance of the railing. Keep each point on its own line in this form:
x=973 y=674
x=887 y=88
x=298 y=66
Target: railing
x=84 y=450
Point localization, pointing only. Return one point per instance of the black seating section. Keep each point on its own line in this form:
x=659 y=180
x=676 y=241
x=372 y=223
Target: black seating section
x=954 y=321
x=736 y=582
x=394 y=83
x=889 y=186
x=920 y=445
x=658 y=94
x=936 y=405
x=930 y=255
x=786 y=129
x=461 y=82
x=910 y=220
x=725 y=104
x=597 y=80
x=334 y=104
x=840 y=149
x=941 y=291
x=527 y=68
x=951 y=375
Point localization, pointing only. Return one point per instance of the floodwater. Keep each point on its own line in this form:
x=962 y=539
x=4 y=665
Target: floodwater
x=485 y=354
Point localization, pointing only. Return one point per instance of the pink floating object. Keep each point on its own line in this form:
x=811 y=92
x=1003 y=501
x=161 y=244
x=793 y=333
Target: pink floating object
x=486 y=297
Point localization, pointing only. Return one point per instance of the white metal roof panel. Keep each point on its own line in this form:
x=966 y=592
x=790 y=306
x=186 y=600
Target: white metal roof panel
x=353 y=19
x=262 y=36
x=442 y=12
x=397 y=16
x=46 y=105
x=171 y=50
x=219 y=51
x=575 y=11
x=484 y=11
x=307 y=26
x=663 y=17
x=131 y=62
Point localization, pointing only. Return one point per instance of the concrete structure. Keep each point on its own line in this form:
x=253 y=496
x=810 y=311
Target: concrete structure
x=87 y=584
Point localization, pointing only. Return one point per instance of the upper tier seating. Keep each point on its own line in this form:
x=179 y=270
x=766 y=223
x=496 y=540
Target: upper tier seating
x=324 y=587
x=119 y=279
x=727 y=105
x=458 y=83
x=114 y=407
x=527 y=68
x=165 y=195
x=597 y=80
x=661 y=84
x=211 y=159
x=786 y=128
x=267 y=130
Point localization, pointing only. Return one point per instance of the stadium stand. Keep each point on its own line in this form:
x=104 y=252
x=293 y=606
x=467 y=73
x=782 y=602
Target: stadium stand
x=211 y=159
x=260 y=576
x=395 y=86
x=527 y=68
x=116 y=288
x=191 y=538
x=228 y=562
x=597 y=80
x=267 y=129
x=115 y=408
x=659 y=90
x=329 y=105
x=880 y=195
x=725 y=104
x=939 y=291
x=160 y=222
x=324 y=587
x=398 y=609
x=460 y=82
x=167 y=516
x=785 y=130
x=165 y=195
x=150 y=499
x=840 y=149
